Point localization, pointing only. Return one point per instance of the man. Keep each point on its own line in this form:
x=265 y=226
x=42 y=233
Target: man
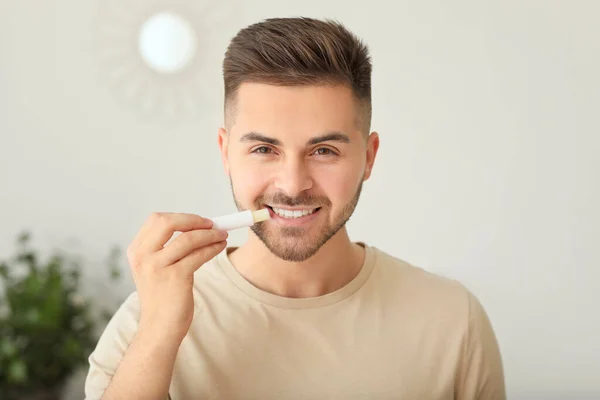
x=299 y=311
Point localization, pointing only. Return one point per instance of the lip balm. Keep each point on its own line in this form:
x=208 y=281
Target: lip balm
x=241 y=219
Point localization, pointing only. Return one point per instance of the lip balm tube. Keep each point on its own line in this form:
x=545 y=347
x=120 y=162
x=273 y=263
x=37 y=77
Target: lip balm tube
x=241 y=219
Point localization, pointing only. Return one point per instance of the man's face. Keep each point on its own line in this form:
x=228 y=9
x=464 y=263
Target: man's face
x=299 y=152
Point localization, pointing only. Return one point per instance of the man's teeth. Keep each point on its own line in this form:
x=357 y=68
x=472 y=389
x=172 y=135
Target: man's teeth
x=293 y=214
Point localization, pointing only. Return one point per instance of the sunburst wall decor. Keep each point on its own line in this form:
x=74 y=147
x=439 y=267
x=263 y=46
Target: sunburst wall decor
x=153 y=52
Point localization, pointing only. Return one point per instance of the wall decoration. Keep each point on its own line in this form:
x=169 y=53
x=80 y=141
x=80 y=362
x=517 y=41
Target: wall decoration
x=156 y=54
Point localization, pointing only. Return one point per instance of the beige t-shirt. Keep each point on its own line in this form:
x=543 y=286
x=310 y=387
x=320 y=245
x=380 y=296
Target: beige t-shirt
x=394 y=332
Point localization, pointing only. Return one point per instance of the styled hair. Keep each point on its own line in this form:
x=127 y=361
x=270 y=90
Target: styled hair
x=296 y=52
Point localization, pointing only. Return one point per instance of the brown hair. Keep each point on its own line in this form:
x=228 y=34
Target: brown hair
x=299 y=51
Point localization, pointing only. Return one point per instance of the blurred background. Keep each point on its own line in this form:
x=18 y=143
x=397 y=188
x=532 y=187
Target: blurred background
x=488 y=172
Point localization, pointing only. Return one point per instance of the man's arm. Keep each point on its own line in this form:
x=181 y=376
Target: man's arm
x=481 y=373
x=136 y=355
x=128 y=361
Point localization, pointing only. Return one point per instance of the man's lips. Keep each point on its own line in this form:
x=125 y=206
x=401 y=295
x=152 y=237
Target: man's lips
x=293 y=216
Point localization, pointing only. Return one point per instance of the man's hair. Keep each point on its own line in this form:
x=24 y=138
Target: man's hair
x=299 y=51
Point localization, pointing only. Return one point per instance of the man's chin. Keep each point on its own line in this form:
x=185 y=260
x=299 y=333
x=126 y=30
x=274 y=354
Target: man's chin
x=293 y=253
x=292 y=244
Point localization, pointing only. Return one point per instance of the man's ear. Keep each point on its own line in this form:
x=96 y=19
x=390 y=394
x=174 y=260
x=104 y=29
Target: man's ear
x=372 y=148
x=224 y=147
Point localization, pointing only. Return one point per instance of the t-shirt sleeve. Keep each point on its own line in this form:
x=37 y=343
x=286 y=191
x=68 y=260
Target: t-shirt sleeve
x=111 y=347
x=481 y=373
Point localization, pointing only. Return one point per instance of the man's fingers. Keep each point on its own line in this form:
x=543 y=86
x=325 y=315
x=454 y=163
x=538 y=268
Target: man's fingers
x=199 y=257
x=164 y=225
x=188 y=242
x=141 y=234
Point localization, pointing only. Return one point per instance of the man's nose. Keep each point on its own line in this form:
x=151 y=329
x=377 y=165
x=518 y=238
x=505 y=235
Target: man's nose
x=294 y=177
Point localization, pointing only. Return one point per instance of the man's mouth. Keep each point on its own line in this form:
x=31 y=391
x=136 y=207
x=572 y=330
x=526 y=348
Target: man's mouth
x=293 y=213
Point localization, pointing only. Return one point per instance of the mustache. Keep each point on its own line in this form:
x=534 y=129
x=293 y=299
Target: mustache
x=304 y=199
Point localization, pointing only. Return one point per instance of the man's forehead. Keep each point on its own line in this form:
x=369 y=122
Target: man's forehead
x=304 y=110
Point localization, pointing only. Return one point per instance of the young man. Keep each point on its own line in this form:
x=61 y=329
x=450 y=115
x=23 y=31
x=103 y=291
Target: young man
x=299 y=311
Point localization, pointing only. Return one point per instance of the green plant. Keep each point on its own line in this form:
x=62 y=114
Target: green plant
x=47 y=328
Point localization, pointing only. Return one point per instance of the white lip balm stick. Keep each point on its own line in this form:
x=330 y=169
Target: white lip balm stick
x=241 y=219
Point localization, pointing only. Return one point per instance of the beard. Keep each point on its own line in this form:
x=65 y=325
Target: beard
x=297 y=244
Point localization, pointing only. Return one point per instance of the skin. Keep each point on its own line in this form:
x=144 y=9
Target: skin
x=297 y=147
x=311 y=152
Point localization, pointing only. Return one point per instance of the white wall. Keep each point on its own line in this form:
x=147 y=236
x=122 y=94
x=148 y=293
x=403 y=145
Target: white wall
x=488 y=171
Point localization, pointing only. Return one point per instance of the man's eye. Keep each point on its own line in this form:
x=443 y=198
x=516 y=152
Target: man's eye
x=262 y=150
x=324 y=151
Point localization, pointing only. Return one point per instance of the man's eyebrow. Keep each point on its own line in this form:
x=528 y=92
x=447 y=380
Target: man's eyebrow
x=257 y=137
x=328 y=137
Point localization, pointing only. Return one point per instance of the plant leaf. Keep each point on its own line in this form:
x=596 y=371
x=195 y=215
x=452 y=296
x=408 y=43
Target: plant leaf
x=17 y=372
x=7 y=347
x=4 y=270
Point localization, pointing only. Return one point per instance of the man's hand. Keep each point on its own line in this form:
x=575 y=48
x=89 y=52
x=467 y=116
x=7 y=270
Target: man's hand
x=164 y=277
x=163 y=274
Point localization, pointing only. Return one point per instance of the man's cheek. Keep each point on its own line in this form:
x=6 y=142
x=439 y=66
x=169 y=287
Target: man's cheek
x=341 y=190
x=250 y=186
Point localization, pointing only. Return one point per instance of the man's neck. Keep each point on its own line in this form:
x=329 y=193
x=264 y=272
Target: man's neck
x=331 y=268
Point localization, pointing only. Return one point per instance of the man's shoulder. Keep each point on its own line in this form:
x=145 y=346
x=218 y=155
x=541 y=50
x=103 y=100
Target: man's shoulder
x=404 y=279
x=401 y=269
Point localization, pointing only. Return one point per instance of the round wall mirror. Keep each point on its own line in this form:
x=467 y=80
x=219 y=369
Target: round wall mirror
x=167 y=42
